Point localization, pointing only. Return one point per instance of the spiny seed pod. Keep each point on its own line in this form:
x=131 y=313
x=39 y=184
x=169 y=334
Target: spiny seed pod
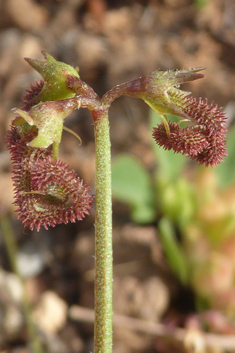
x=46 y=191
x=203 y=142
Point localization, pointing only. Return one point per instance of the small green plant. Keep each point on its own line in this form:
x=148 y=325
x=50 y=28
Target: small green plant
x=48 y=193
x=200 y=208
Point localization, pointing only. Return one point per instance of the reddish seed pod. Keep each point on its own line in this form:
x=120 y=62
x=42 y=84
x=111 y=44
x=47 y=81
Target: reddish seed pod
x=46 y=191
x=205 y=141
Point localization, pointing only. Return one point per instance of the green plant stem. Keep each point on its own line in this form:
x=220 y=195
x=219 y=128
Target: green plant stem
x=11 y=246
x=103 y=235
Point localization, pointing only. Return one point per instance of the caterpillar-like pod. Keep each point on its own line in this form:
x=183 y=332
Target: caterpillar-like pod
x=204 y=141
x=46 y=191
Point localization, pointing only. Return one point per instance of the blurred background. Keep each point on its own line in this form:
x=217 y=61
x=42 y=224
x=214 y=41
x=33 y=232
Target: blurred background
x=174 y=222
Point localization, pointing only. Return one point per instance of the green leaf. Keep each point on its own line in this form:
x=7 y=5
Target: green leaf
x=174 y=252
x=226 y=170
x=201 y=3
x=131 y=184
x=177 y=200
x=170 y=163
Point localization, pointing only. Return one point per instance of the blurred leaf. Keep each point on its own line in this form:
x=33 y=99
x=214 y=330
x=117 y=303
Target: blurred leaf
x=170 y=163
x=174 y=252
x=201 y=3
x=177 y=200
x=226 y=170
x=131 y=184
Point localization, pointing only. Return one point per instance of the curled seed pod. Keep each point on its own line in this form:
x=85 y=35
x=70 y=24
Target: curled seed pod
x=46 y=191
x=204 y=141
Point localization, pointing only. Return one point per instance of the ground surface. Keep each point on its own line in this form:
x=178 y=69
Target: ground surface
x=111 y=42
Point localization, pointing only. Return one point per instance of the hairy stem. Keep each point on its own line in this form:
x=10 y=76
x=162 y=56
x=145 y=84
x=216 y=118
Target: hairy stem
x=103 y=235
